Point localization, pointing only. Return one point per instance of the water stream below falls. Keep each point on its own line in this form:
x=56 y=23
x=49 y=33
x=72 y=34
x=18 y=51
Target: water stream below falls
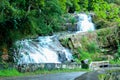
x=47 y=49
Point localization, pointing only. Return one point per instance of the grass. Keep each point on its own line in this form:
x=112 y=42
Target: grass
x=14 y=72
x=9 y=72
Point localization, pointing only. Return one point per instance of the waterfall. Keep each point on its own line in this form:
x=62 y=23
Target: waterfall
x=84 y=23
x=46 y=49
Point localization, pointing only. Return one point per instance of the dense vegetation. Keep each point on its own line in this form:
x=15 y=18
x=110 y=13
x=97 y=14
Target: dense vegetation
x=22 y=18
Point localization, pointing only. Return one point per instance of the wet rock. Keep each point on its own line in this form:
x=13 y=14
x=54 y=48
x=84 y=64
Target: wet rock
x=62 y=56
x=50 y=66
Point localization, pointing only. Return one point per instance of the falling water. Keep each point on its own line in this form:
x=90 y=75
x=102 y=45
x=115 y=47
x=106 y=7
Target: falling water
x=84 y=23
x=45 y=49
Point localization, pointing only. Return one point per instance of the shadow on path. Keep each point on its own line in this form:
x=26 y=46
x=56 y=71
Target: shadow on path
x=88 y=76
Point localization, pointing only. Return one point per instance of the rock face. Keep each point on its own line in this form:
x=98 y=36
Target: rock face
x=71 y=27
x=106 y=38
x=79 y=40
x=5 y=55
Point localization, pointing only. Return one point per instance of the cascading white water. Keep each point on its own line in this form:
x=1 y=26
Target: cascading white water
x=45 y=49
x=84 y=23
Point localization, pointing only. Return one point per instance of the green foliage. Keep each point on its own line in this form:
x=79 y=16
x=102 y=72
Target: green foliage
x=115 y=12
x=92 y=47
x=117 y=61
x=64 y=42
x=83 y=5
x=83 y=55
x=103 y=33
x=63 y=5
x=72 y=20
x=118 y=50
x=73 y=5
x=100 y=7
x=88 y=45
x=109 y=12
x=20 y=18
x=9 y=72
x=117 y=55
x=87 y=51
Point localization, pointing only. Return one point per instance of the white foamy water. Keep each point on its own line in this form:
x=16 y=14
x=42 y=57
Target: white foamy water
x=84 y=23
x=45 y=49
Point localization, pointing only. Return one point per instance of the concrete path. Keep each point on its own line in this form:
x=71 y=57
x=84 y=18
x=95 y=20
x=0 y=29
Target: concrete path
x=57 y=76
x=88 y=76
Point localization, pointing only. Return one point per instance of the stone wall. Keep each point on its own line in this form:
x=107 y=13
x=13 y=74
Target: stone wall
x=39 y=66
x=98 y=64
x=46 y=66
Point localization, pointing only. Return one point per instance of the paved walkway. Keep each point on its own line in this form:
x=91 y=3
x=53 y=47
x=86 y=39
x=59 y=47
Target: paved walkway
x=57 y=76
x=93 y=75
x=88 y=76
